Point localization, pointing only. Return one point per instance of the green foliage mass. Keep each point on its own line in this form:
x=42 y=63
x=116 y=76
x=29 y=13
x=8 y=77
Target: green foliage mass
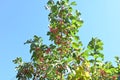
x=66 y=58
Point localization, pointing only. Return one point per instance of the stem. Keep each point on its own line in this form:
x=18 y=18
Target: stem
x=61 y=76
x=61 y=45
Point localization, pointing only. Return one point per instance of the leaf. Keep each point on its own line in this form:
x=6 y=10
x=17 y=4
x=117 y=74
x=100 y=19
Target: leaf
x=73 y=20
x=74 y=55
x=34 y=56
x=79 y=23
x=85 y=54
x=66 y=1
x=75 y=45
x=70 y=9
x=49 y=3
x=78 y=13
x=92 y=60
x=48 y=33
x=67 y=60
x=54 y=8
x=101 y=55
x=28 y=42
x=18 y=60
x=52 y=46
x=80 y=43
x=49 y=69
x=36 y=38
x=73 y=3
x=72 y=33
x=96 y=56
x=76 y=38
x=116 y=57
x=63 y=2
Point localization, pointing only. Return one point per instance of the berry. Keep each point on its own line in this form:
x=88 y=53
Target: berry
x=41 y=59
x=102 y=73
x=52 y=30
x=113 y=77
x=37 y=49
x=48 y=50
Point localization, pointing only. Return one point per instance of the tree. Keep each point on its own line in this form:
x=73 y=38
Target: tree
x=65 y=58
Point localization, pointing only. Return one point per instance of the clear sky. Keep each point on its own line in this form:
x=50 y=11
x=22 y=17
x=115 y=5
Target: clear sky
x=22 y=19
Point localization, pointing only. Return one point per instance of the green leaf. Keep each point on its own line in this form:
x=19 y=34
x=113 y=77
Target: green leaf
x=70 y=9
x=67 y=60
x=34 y=56
x=75 y=45
x=66 y=1
x=18 y=60
x=32 y=48
x=78 y=13
x=85 y=54
x=101 y=55
x=36 y=38
x=74 y=55
x=80 y=43
x=79 y=23
x=48 y=33
x=116 y=57
x=73 y=21
x=95 y=56
x=52 y=46
x=63 y=2
x=49 y=69
x=58 y=2
x=76 y=38
x=73 y=3
x=72 y=33
x=28 y=42
x=92 y=61
x=50 y=2
x=54 y=8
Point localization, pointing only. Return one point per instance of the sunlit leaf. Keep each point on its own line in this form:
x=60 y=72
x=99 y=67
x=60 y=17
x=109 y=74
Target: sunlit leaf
x=75 y=45
x=73 y=3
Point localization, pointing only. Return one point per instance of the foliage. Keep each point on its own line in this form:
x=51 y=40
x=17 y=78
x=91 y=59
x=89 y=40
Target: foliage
x=65 y=58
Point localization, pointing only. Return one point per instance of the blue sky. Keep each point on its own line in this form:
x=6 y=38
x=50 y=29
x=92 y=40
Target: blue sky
x=21 y=19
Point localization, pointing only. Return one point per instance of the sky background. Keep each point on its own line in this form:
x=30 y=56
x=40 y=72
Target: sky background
x=22 y=19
